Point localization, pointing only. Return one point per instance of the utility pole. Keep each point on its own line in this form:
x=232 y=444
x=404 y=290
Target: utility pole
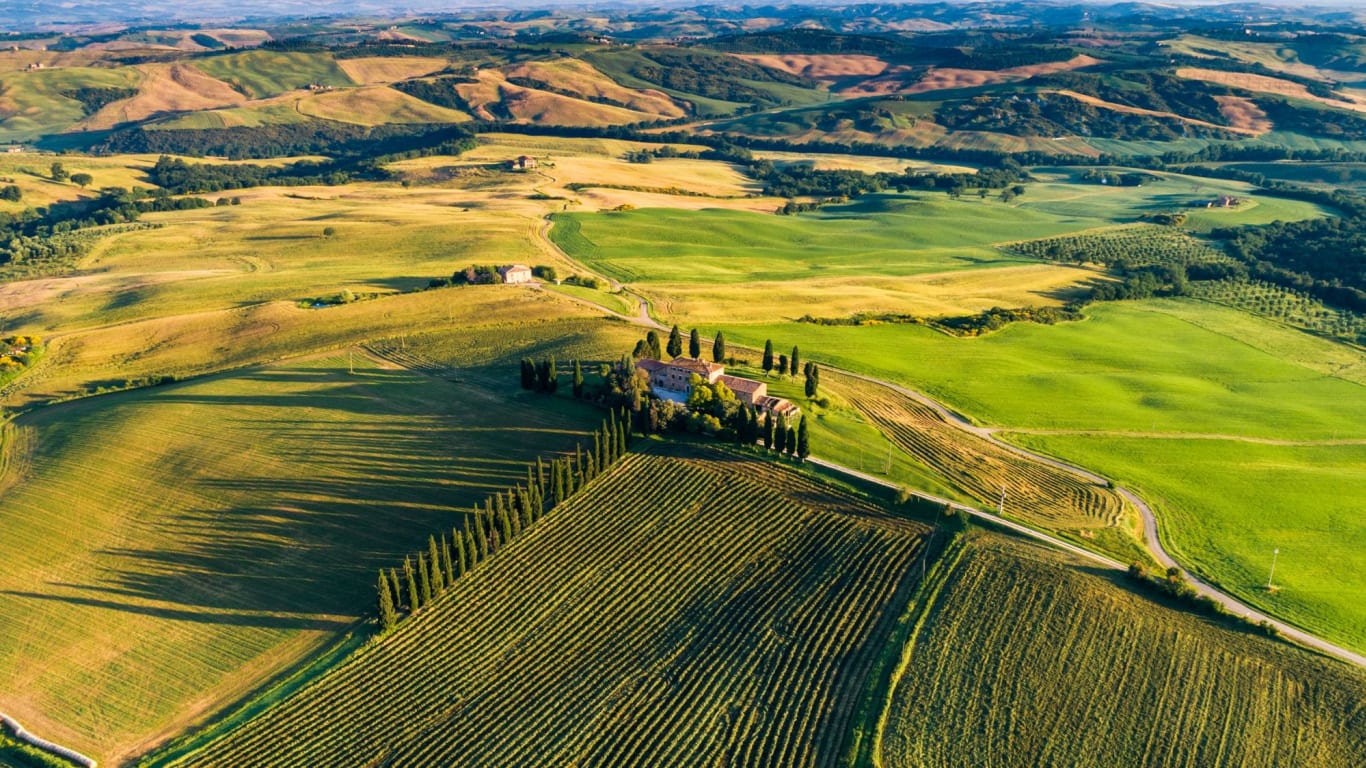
x=1272 y=575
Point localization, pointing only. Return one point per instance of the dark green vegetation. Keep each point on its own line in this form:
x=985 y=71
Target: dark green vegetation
x=688 y=606
x=1102 y=677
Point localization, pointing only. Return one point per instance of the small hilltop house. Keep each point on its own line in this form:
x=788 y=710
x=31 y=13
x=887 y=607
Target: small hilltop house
x=515 y=273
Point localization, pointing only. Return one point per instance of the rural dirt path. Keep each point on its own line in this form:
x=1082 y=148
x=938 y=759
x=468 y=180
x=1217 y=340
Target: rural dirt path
x=1151 y=538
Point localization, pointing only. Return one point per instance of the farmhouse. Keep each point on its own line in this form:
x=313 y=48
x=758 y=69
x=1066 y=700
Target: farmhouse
x=523 y=163
x=671 y=380
x=515 y=273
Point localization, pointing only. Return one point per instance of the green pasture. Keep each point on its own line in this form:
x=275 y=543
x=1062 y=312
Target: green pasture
x=237 y=520
x=262 y=73
x=889 y=234
x=1225 y=505
x=616 y=302
x=1170 y=366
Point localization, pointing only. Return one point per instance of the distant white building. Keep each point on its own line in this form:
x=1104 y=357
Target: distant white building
x=515 y=273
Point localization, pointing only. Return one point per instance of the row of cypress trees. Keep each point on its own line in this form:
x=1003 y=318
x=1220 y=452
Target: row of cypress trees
x=503 y=516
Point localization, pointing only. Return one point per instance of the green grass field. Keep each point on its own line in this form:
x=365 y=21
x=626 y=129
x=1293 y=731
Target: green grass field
x=1025 y=660
x=237 y=520
x=1225 y=505
x=261 y=73
x=32 y=104
x=1168 y=366
x=692 y=606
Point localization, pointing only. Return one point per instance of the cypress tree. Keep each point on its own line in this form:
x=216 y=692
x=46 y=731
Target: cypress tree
x=540 y=472
x=792 y=366
x=791 y=442
x=424 y=579
x=718 y=348
x=803 y=443
x=497 y=509
x=434 y=559
x=590 y=467
x=473 y=548
x=595 y=462
x=782 y=365
x=504 y=525
x=414 y=598
x=552 y=376
x=394 y=590
x=578 y=379
x=528 y=374
x=652 y=346
x=694 y=345
x=387 y=616
x=459 y=557
x=481 y=541
x=780 y=434
x=768 y=356
x=556 y=483
x=675 y=347
x=609 y=441
x=446 y=561
x=812 y=380
x=768 y=429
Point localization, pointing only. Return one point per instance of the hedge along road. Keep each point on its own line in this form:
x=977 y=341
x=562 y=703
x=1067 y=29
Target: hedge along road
x=1150 y=534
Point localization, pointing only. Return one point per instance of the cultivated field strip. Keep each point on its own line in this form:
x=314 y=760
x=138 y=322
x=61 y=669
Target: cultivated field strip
x=688 y=608
x=1035 y=491
x=1105 y=677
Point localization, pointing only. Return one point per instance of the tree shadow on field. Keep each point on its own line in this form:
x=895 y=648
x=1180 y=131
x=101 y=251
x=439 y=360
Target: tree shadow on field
x=339 y=480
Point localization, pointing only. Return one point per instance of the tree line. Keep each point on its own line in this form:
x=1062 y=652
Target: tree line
x=425 y=575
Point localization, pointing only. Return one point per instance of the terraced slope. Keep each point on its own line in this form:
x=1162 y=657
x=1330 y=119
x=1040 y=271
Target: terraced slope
x=1104 y=677
x=691 y=607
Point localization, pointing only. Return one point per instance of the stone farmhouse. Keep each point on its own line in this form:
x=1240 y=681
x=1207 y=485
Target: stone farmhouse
x=675 y=378
x=515 y=273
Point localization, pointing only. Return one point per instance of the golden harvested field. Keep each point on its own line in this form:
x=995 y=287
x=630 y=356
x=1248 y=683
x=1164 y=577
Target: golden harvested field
x=938 y=294
x=494 y=92
x=378 y=70
x=827 y=67
x=864 y=163
x=375 y=105
x=1265 y=84
x=167 y=87
x=229 y=528
x=582 y=78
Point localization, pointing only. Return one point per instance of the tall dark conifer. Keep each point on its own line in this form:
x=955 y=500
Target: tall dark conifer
x=414 y=597
x=388 y=617
x=768 y=356
x=438 y=578
x=675 y=347
x=768 y=429
x=447 y=564
x=424 y=579
x=803 y=441
x=694 y=345
x=792 y=362
x=718 y=348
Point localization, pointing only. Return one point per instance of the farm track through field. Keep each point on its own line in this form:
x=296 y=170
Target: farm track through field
x=689 y=607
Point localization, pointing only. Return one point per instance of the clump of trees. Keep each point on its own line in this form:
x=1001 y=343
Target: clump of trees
x=544 y=376
x=427 y=574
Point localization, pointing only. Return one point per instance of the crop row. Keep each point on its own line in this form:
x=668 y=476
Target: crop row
x=1103 y=677
x=1137 y=245
x=688 y=607
x=1034 y=490
x=1288 y=306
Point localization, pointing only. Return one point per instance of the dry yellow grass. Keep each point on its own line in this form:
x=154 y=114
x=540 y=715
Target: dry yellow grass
x=1125 y=109
x=896 y=79
x=939 y=294
x=581 y=77
x=1243 y=113
x=375 y=105
x=175 y=87
x=535 y=106
x=865 y=163
x=826 y=67
x=376 y=70
x=1265 y=84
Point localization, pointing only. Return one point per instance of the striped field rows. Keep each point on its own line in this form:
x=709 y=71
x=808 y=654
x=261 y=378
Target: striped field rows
x=1034 y=491
x=690 y=607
